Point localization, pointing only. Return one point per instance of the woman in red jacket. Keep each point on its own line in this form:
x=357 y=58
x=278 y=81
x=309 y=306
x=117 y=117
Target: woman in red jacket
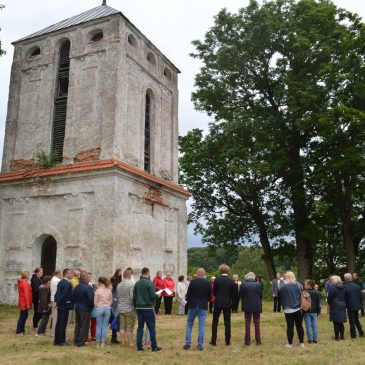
x=159 y=284
x=169 y=283
x=25 y=302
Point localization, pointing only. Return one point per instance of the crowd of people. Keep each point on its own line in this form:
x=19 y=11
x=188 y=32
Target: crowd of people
x=71 y=297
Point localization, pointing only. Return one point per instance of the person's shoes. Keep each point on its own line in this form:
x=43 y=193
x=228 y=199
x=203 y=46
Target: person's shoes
x=212 y=343
x=361 y=335
x=186 y=347
x=310 y=341
x=20 y=334
x=200 y=348
x=114 y=340
x=140 y=350
x=157 y=349
x=289 y=346
x=302 y=345
x=228 y=344
x=315 y=341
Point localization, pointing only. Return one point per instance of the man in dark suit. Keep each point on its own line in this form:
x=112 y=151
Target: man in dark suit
x=353 y=304
x=251 y=293
x=83 y=299
x=223 y=291
x=275 y=285
x=198 y=296
x=356 y=280
x=63 y=300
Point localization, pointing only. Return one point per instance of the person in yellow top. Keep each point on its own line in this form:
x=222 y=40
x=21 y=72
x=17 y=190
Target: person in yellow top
x=75 y=279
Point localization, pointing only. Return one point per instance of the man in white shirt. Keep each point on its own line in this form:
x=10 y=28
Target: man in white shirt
x=54 y=282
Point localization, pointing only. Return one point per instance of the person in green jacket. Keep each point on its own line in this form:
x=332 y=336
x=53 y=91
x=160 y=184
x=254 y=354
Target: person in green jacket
x=144 y=295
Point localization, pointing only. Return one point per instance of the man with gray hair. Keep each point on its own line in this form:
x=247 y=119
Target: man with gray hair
x=198 y=296
x=353 y=304
x=251 y=293
x=83 y=298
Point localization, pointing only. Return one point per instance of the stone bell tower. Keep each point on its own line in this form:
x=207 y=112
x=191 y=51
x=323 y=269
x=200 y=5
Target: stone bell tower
x=97 y=95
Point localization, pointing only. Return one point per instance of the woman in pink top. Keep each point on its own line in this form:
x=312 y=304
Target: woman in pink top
x=103 y=302
x=169 y=283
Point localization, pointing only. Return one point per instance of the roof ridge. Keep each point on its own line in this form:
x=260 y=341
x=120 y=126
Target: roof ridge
x=97 y=12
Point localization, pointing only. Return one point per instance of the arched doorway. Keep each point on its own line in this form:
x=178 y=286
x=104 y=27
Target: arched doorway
x=48 y=255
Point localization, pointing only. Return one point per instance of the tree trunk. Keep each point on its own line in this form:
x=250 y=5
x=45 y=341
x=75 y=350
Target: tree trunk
x=346 y=208
x=264 y=238
x=294 y=178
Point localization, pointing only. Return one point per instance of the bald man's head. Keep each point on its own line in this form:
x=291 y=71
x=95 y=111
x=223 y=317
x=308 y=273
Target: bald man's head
x=200 y=272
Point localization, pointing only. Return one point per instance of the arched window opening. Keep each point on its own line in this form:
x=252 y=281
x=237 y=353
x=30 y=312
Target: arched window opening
x=60 y=105
x=35 y=52
x=97 y=36
x=167 y=73
x=151 y=58
x=147 y=134
x=132 y=40
x=48 y=255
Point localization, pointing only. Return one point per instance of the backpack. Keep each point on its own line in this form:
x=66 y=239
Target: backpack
x=305 y=301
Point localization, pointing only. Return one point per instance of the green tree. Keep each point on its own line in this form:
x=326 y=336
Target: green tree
x=278 y=69
x=339 y=170
x=231 y=186
x=2 y=52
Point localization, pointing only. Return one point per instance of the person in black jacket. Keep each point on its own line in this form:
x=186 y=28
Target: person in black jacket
x=310 y=316
x=223 y=292
x=353 y=304
x=356 y=280
x=236 y=294
x=63 y=300
x=83 y=299
x=337 y=302
x=251 y=294
x=198 y=296
x=35 y=283
x=44 y=306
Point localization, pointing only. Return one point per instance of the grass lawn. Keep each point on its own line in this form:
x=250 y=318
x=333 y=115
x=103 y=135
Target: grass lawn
x=30 y=350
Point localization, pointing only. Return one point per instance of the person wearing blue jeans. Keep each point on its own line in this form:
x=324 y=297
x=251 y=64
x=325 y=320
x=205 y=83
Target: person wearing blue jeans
x=310 y=320
x=198 y=297
x=146 y=316
x=202 y=316
x=102 y=320
x=144 y=295
x=20 y=327
x=103 y=301
x=310 y=316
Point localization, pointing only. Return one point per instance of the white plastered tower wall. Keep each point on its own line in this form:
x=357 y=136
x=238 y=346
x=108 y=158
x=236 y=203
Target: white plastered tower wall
x=102 y=215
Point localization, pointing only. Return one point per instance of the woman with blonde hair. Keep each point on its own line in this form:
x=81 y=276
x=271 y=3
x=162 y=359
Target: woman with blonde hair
x=337 y=302
x=24 y=302
x=290 y=293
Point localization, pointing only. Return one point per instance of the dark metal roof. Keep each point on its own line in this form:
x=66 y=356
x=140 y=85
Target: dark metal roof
x=99 y=12
x=92 y=14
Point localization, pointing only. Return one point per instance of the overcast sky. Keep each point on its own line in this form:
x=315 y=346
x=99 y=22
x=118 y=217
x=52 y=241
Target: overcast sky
x=170 y=25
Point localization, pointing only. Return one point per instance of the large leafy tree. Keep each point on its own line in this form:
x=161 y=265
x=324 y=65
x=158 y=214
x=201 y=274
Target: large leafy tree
x=277 y=70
